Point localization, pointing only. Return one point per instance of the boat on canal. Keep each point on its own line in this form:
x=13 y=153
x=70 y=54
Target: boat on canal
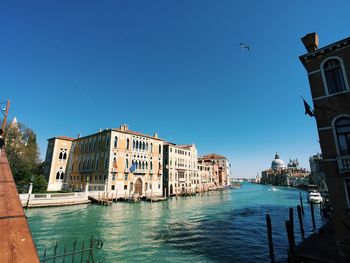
x=313 y=194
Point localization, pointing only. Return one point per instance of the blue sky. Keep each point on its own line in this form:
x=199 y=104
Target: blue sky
x=174 y=67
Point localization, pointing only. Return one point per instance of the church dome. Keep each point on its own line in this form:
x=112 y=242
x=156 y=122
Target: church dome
x=277 y=163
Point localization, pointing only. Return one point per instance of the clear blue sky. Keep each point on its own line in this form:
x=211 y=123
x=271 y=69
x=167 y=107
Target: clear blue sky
x=174 y=67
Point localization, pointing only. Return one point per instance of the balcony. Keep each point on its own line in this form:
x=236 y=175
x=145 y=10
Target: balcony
x=344 y=164
x=140 y=171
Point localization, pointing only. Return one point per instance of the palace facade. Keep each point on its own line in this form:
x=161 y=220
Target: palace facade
x=118 y=160
x=180 y=169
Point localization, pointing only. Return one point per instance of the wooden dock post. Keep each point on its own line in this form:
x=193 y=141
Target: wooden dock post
x=269 y=237
x=301 y=203
x=313 y=216
x=301 y=222
x=290 y=235
x=291 y=220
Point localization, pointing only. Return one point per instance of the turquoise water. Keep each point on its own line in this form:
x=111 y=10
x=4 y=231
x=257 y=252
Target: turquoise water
x=225 y=226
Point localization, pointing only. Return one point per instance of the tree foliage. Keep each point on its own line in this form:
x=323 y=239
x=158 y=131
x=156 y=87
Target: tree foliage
x=23 y=156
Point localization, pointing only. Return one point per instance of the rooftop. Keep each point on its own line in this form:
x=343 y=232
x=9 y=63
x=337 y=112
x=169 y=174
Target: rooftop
x=63 y=138
x=213 y=156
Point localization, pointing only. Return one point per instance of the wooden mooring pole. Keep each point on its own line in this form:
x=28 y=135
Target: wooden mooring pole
x=291 y=220
x=269 y=237
x=301 y=203
x=301 y=222
x=290 y=234
x=313 y=216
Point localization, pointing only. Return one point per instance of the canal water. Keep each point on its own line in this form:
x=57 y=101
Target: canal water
x=224 y=226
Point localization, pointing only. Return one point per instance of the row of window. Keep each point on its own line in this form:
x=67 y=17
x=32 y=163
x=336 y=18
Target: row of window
x=182 y=152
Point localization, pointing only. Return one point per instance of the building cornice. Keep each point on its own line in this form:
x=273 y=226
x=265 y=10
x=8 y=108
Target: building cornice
x=323 y=51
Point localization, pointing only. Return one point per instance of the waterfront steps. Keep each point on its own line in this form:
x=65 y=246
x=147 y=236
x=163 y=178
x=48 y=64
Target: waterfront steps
x=16 y=243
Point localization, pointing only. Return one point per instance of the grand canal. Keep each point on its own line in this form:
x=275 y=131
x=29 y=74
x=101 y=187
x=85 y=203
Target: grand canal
x=224 y=226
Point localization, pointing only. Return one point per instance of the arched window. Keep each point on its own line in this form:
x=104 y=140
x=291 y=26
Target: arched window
x=60 y=174
x=151 y=147
x=133 y=144
x=126 y=163
x=143 y=165
x=97 y=164
x=127 y=143
x=334 y=76
x=63 y=154
x=342 y=129
x=160 y=148
x=115 y=142
x=137 y=144
x=143 y=146
x=146 y=146
x=151 y=165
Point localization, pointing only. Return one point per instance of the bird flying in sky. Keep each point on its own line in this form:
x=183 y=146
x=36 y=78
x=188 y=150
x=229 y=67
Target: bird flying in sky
x=244 y=46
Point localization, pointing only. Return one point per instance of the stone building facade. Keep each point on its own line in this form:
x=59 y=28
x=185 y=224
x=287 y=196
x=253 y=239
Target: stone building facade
x=224 y=168
x=180 y=169
x=56 y=160
x=119 y=160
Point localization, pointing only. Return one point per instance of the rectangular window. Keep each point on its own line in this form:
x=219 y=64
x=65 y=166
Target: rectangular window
x=113 y=187
x=125 y=187
x=125 y=177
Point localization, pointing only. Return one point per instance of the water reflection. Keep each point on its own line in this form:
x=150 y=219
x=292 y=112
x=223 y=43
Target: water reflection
x=227 y=226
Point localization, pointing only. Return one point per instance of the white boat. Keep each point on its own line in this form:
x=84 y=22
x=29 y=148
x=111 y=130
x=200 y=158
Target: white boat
x=273 y=189
x=315 y=197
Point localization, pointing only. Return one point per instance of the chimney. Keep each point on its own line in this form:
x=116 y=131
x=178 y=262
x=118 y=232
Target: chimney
x=124 y=127
x=78 y=135
x=155 y=135
x=100 y=130
x=310 y=42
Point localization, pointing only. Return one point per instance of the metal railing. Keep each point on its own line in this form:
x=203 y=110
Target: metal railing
x=78 y=252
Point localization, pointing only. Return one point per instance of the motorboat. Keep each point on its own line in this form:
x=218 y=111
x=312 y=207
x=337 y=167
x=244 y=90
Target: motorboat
x=315 y=197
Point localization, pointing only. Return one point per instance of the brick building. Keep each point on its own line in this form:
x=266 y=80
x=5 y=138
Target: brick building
x=328 y=70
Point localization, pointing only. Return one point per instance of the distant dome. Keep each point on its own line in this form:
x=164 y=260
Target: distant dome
x=277 y=163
